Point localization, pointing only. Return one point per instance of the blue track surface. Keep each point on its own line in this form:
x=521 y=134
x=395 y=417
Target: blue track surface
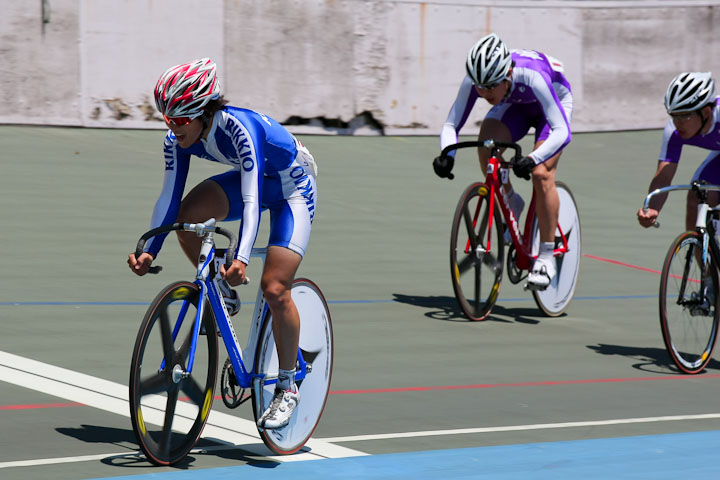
x=673 y=456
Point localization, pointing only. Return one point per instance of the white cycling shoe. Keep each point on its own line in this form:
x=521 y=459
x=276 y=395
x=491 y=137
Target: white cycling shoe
x=541 y=274
x=280 y=410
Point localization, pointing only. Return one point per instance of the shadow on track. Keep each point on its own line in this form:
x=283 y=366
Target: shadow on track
x=446 y=308
x=649 y=359
x=135 y=459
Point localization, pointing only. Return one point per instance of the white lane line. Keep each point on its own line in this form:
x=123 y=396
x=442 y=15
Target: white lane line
x=520 y=428
x=112 y=397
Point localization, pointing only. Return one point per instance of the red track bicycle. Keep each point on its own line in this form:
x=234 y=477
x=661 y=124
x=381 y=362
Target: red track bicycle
x=477 y=257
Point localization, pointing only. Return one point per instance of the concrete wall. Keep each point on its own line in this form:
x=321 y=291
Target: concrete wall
x=353 y=66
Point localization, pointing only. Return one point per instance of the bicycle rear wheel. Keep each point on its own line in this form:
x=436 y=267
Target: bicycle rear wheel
x=317 y=347
x=168 y=409
x=688 y=319
x=556 y=298
x=476 y=258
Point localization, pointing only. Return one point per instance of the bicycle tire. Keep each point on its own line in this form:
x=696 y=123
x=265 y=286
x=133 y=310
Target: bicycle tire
x=556 y=298
x=470 y=259
x=155 y=391
x=317 y=345
x=689 y=326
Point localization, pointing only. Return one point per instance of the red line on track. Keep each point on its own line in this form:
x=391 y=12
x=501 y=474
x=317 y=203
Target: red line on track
x=41 y=405
x=429 y=389
x=622 y=264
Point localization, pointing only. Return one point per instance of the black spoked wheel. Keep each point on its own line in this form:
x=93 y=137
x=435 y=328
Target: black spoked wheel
x=476 y=254
x=688 y=304
x=168 y=407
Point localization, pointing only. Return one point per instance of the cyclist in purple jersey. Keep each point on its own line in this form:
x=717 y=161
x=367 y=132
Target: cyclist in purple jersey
x=270 y=169
x=694 y=111
x=526 y=89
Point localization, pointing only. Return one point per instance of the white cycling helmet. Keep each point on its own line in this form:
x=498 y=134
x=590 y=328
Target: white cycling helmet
x=489 y=61
x=183 y=90
x=689 y=91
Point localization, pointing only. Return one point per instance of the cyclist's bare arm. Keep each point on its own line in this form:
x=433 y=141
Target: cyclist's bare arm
x=662 y=178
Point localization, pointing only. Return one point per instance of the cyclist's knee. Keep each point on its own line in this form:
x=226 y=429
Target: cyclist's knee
x=543 y=177
x=275 y=291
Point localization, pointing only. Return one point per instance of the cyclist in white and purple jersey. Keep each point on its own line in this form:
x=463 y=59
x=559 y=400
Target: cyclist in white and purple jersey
x=270 y=169
x=527 y=89
x=694 y=111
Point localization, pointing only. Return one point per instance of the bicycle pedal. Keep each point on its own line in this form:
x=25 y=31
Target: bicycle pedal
x=534 y=287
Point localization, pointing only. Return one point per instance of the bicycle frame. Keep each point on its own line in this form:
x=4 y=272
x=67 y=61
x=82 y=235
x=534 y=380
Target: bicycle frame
x=210 y=293
x=497 y=175
x=702 y=226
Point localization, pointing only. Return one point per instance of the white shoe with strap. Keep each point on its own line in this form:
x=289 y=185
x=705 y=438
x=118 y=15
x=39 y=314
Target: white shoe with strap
x=281 y=409
x=541 y=274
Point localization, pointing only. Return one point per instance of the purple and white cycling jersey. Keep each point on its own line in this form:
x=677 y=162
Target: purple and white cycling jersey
x=540 y=97
x=672 y=145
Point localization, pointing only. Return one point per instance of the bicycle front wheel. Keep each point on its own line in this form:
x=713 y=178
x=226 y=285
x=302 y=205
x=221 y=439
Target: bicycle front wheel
x=688 y=304
x=476 y=256
x=555 y=299
x=168 y=407
x=317 y=347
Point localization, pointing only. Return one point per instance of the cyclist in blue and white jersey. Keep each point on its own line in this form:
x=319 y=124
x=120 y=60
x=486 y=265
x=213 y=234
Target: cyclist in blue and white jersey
x=526 y=89
x=694 y=111
x=270 y=169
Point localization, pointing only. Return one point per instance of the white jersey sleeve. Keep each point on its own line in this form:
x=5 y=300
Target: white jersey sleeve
x=459 y=113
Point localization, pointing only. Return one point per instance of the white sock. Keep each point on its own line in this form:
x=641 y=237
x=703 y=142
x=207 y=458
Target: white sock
x=286 y=379
x=546 y=249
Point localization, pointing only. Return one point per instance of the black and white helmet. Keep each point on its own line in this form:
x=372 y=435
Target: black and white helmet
x=689 y=91
x=489 y=61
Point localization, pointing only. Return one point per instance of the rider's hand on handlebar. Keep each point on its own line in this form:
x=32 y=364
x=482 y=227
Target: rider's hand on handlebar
x=523 y=167
x=647 y=218
x=443 y=167
x=235 y=275
x=140 y=265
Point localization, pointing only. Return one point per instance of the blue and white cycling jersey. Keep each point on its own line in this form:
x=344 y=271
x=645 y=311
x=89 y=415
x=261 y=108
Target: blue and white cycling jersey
x=272 y=165
x=539 y=89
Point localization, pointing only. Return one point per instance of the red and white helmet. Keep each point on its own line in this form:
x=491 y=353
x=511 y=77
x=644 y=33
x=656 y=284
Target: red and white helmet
x=183 y=90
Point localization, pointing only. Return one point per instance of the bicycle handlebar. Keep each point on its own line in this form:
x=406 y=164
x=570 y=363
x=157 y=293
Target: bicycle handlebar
x=697 y=187
x=201 y=229
x=490 y=144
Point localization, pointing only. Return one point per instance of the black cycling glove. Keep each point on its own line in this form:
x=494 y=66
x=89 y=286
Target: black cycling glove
x=523 y=167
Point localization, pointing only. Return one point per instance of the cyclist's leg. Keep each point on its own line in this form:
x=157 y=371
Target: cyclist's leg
x=504 y=122
x=547 y=208
x=206 y=200
x=547 y=203
x=278 y=275
x=290 y=225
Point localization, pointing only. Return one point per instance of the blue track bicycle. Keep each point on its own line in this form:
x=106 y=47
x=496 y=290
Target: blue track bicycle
x=175 y=360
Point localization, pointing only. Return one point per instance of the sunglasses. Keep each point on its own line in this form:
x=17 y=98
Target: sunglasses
x=179 y=121
x=490 y=87
x=682 y=117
